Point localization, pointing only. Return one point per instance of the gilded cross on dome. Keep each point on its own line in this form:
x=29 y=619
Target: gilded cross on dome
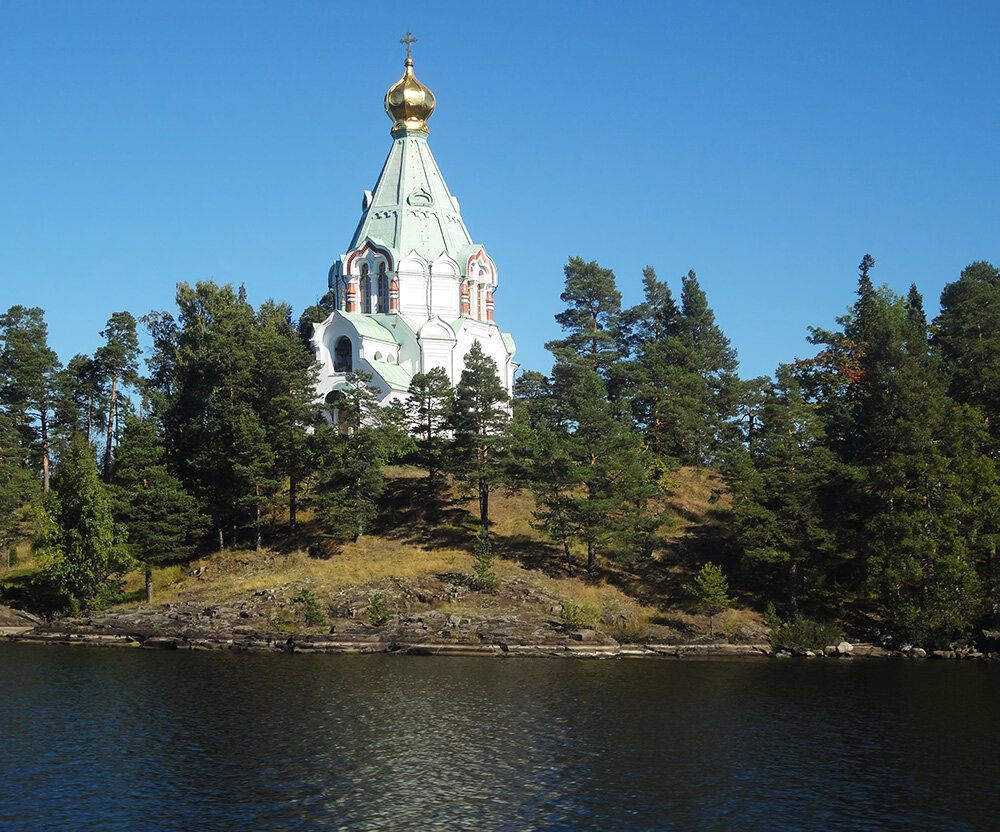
x=408 y=40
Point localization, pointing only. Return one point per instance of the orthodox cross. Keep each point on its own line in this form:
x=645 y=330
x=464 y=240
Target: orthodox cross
x=408 y=40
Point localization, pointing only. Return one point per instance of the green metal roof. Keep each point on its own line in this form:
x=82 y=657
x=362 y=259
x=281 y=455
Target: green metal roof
x=508 y=342
x=367 y=325
x=411 y=207
x=393 y=322
x=395 y=376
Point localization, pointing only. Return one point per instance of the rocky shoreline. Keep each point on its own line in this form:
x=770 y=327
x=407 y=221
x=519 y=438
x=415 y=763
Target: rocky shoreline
x=182 y=627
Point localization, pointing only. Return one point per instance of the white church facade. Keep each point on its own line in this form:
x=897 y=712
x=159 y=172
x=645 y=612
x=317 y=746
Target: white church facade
x=413 y=291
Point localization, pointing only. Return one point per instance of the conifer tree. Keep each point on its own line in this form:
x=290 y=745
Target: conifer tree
x=610 y=477
x=233 y=390
x=777 y=481
x=351 y=476
x=118 y=361
x=82 y=399
x=429 y=408
x=17 y=486
x=479 y=420
x=680 y=374
x=904 y=497
x=81 y=548
x=161 y=519
x=593 y=304
x=967 y=332
x=28 y=373
x=711 y=592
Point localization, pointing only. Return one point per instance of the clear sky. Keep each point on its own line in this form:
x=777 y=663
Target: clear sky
x=766 y=145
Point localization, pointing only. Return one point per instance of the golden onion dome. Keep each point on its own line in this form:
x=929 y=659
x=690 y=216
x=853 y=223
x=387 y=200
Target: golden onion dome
x=408 y=102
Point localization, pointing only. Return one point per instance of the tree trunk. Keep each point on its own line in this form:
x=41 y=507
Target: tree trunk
x=293 y=521
x=6 y=554
x=484 y=504
x=257 y=523
x=793 y=590
x=111 y=427
x=149 y=585
x=569 y=557
x=222 y=544
x=45 y=450
x=591 y=557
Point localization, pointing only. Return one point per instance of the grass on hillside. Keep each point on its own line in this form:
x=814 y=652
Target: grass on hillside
x=416 y=538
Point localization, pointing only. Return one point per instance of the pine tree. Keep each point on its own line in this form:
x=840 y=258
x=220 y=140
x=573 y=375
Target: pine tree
x=967 y=332
x=778 y=484
x=902 y=493
x=82 y=549
x=28 y=373
x=233 y=390
x=161 y=519
x=118 y=362
x=479 y=420
x=711 y=592
x=351 y=478
x=680 y=377
x=429 y=408
x=17 y=487
x=593 y=304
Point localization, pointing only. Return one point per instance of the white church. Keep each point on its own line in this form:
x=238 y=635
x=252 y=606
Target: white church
x=413 y=292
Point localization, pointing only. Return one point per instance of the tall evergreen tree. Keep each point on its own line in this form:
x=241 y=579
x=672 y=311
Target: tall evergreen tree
x=479 y=420
x=967 y=332
x=81 y=548
x=610 y=479
x=429 y=408
x=351 y=477
x=28 y=373
x=680 y=374
x=118 y=361
x=777 y=482
x=205 y=386
x=905 y=496
x=593 y=304
x=17 y=486
x=160 y=518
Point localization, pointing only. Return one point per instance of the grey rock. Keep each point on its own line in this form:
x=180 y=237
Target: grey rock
x=845 y=648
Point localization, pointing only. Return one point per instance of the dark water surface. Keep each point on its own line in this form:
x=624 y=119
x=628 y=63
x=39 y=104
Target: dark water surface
x=115 y=739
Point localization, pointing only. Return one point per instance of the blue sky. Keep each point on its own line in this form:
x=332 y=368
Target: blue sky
x=765 y=145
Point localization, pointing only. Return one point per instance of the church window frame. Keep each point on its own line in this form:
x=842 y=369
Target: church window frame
x=343 y=355
x=383 y=289
x=366 y=290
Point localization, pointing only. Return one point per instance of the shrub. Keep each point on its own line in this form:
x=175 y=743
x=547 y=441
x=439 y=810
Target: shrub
x=484 y=578
x=314 y=615
x=804 y=635
x=579 y=616
x=378 y=609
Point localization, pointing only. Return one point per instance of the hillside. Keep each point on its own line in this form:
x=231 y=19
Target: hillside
x=418 y=562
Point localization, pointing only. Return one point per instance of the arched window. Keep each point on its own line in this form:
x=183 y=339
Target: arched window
x=366 y=290
x=383 y=289
x=481 y=295
x=343 y=355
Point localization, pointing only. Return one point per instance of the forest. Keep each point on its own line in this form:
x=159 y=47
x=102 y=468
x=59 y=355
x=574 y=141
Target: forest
x=860 y=481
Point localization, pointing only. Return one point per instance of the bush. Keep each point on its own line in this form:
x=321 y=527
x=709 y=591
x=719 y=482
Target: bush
x=579 y=616
x=804 y=635
x=484 y=578
x=378 y=609
x=314 y=615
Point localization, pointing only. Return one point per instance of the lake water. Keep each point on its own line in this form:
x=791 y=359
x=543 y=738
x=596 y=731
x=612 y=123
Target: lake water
x=117 y=739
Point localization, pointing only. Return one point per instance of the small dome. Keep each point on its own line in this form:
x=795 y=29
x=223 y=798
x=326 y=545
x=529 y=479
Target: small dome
x=409 y=103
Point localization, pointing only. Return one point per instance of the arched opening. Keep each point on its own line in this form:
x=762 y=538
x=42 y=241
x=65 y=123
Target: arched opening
x=366 y=290
x=343 y=353
x=383 y=289
x=339 y=413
